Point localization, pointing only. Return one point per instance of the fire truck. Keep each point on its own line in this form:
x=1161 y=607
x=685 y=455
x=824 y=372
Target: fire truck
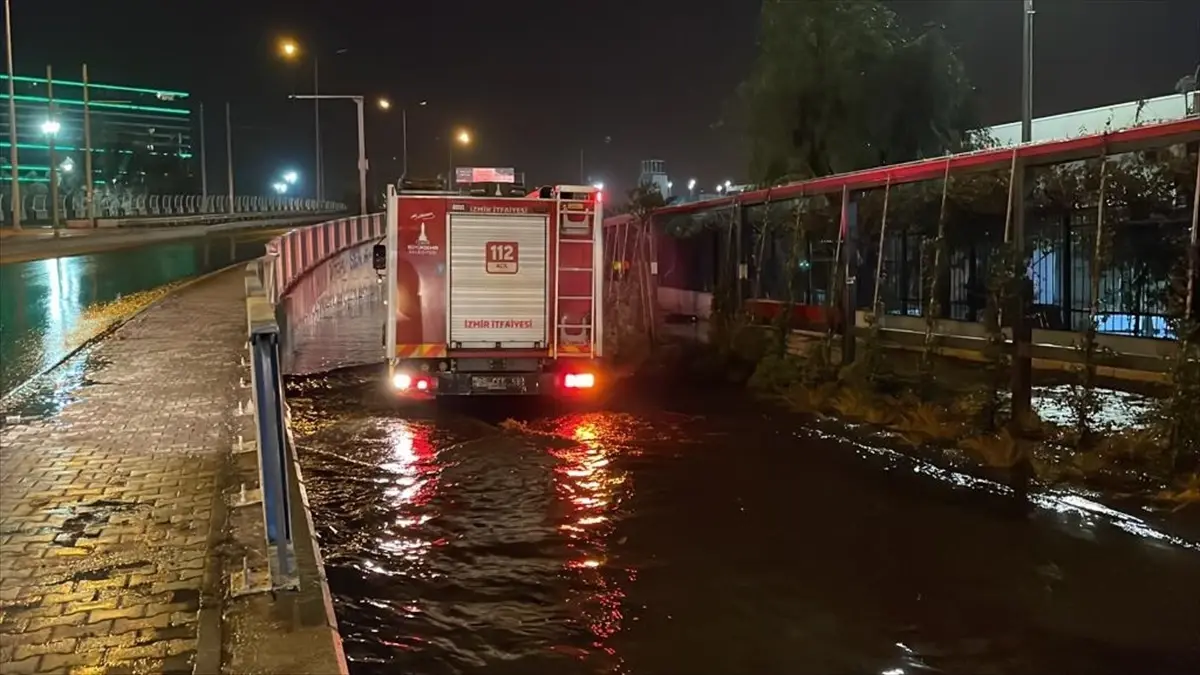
x=491 y=294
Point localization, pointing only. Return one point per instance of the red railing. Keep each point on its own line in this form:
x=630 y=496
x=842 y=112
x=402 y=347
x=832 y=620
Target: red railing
x=292 y=255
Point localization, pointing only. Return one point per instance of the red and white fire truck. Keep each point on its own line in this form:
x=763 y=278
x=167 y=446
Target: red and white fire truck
x=494 y=295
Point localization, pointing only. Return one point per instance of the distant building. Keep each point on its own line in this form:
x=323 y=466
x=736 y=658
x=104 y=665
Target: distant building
x=140 y=137
x=1097 y=120
x=654 y=172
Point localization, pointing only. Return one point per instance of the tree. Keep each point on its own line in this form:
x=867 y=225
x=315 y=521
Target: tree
x=840 y=85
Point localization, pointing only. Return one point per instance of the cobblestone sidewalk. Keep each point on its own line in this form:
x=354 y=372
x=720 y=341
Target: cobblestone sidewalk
x=106 y=508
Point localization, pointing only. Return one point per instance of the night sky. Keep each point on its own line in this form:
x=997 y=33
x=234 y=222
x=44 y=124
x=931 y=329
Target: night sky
x=536 y=82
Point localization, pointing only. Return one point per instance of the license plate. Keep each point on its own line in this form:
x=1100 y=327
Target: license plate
x=497 y=383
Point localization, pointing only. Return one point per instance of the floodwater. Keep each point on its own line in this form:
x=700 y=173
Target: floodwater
x=681 y=530
x=49 y=308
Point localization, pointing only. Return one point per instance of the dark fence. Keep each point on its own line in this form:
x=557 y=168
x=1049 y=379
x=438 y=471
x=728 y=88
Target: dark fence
x=786 y=250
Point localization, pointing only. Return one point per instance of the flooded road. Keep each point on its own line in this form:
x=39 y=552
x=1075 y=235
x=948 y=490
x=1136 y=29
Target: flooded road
x=50 y=307
x=682 y=531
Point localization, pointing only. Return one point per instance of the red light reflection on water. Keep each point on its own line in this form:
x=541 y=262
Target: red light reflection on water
x=413 y=473
x=593 y=489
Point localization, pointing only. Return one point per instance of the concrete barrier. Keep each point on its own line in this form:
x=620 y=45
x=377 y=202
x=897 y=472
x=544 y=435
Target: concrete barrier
x=279 y=595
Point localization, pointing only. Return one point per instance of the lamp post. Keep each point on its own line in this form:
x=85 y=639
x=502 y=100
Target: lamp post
x=290 y=49
x=385 y=104
x=463 y=138
x=1027 y=73
x=691 y=189
x=12 y=121
x=89 y=186
x=362 y=139
x=51 y=127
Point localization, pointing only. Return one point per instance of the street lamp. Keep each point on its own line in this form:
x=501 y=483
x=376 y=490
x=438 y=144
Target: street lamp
x=291 y=177
x=51 y=127
x=290 y=49
x=403 y=131
x=598 y=185
x=280 y=187
x=362 y=141
x=691 y=188
x=12 y=121
x=463 y=138
x=385 y=104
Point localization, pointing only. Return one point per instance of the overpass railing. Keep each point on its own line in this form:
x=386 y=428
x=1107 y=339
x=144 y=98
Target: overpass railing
x=128 y=204
x=292 y=255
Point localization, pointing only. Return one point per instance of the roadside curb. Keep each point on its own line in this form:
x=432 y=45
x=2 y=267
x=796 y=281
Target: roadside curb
x=322 y=579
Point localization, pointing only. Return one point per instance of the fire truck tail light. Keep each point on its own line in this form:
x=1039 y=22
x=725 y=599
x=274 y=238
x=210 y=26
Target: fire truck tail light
x=579 y=381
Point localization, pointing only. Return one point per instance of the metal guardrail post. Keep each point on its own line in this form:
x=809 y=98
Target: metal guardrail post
x=272 y=448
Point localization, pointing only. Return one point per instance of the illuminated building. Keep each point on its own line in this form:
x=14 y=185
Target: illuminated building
x=141 y=138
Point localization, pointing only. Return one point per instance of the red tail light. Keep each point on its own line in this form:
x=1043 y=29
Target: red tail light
x=579 y=381
x=406 y=382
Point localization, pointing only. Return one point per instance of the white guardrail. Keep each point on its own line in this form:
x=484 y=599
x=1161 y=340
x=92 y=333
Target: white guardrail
x=126 y=205
x=292 y=255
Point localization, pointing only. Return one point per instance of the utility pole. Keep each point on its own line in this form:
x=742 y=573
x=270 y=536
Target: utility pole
x=52 y=129
x=12 y=120
x=320 y=168
x=203 y=163
x=1022 y=364
x=90 y=188
x=1027 y=73
x=229 y=152
x=362 y=159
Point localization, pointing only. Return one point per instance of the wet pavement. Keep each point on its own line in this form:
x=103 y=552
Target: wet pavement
x=678 y=529
x=109 y=470
x=48 y=308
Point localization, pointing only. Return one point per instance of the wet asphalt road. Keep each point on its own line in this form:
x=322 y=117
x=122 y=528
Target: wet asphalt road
x=680 y=530
x=50 y=307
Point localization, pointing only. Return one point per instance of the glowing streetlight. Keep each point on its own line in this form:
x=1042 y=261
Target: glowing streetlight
x=728 y=184
x=598 y=185
x=280 y=187
x=385 y=104
x=67 y=166
x=288 y=48
x=692 y=184
x=291 y=177
x=720 y=189
x=51 y=127
x=463 y=138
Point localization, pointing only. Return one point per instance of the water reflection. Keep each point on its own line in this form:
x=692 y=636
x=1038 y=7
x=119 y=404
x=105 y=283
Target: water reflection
x=1115 y=409
x=48 y=308
x=712 y=539
x=594 y=489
